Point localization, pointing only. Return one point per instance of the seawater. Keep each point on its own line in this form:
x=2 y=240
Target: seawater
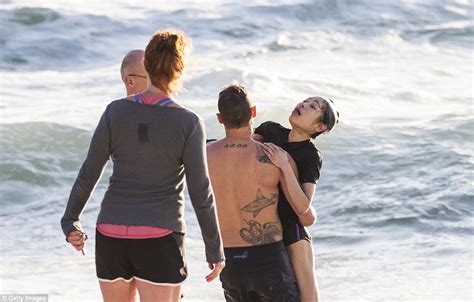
x=395 y=199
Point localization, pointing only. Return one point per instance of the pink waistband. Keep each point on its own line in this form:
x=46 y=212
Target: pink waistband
x=131 y=231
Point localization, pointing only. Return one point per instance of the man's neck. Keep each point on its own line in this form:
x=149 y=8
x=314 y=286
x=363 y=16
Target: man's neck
x=244 y=133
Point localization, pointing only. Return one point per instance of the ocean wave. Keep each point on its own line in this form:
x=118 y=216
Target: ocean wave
x=40 y=155
x=209 y=82
x=455 y=33
x=395 y=205
x=307 y=11
x=399 y=221
x=243 y=30
x=452 y=209
x=42 y=38
x=341 y=240
x=452 y=128
x=439 y=23
x=32 y=15
x=318 y=39
x=389 y=179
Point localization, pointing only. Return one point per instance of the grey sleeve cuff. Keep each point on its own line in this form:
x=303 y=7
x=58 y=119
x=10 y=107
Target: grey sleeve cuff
x=69 y=226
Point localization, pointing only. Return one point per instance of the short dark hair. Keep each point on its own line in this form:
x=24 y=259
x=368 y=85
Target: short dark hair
x=330 y=116
x=234 y=106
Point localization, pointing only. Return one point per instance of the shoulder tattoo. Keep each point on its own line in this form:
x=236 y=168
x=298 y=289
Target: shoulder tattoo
x=261 y=156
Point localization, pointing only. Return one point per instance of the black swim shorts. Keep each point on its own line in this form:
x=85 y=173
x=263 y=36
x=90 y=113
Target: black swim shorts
x=259 y=273
x=294 y=232
x=157 y=261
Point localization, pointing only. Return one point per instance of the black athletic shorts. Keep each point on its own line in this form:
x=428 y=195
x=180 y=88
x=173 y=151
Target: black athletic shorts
x=294 y=232
x=259 y=273
x=157 y=261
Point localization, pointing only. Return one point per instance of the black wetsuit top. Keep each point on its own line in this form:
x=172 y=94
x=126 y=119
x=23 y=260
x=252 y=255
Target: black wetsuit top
x=308 y=160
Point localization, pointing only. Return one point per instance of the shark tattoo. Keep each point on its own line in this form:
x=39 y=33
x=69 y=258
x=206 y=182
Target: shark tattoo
x=260 y=203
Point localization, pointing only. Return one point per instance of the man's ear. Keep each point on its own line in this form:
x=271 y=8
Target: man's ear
x=219 y=118
x=129 y=81
x=253 y=109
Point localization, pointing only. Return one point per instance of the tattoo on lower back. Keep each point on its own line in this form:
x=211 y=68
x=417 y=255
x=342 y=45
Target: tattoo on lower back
x=260 y=203
x=257 y=234
x=261 y=156
x=235 y=146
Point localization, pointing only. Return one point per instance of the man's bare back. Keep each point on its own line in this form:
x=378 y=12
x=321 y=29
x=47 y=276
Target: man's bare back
x=245 y=185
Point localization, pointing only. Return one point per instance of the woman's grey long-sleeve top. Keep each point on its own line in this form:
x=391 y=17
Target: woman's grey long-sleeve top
x=153 y=150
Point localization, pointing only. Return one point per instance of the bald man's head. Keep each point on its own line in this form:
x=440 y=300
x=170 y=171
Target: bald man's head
x=132 y=71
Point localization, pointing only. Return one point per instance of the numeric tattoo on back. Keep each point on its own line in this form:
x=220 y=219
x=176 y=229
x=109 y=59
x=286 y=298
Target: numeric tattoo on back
x=261 y=156
x=235 y=146
x=257 y=234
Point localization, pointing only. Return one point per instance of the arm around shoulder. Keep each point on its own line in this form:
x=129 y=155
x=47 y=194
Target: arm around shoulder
x=294 y=193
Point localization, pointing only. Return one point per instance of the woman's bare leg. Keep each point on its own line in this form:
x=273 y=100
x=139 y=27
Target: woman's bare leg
x=302 y=259
x=119 y=291
x=158 y=293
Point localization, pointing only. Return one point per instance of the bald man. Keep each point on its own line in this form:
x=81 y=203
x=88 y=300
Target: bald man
x=133 y=73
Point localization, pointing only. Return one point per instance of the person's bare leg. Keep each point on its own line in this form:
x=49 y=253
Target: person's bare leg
x=302 y=259
x=158 y=293
x=119 y=291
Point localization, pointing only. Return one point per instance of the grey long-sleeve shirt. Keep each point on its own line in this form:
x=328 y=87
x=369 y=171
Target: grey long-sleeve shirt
x=153 y=149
